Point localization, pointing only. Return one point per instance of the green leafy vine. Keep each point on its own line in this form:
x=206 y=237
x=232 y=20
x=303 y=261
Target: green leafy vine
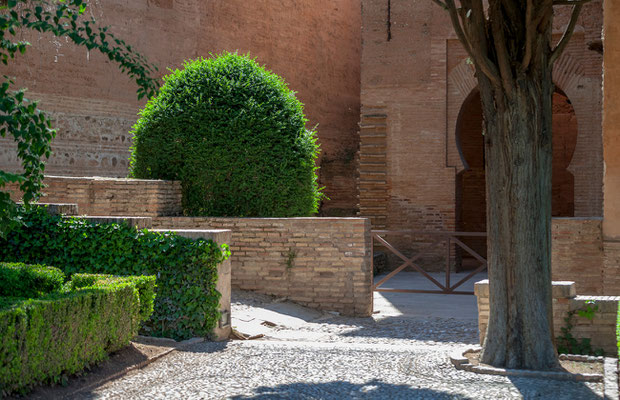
x=20 y=117
x=567 y=343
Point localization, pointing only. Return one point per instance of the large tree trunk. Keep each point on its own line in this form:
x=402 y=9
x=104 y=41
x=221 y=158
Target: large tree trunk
x=509 y=42
x=518 y=182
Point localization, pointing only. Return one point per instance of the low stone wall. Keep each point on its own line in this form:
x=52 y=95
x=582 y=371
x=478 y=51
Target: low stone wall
x=601 y=329
x=323 y=263
x=220 y=236
x=112 y=196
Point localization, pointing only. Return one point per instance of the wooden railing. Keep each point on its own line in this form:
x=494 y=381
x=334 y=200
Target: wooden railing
x=438 y=237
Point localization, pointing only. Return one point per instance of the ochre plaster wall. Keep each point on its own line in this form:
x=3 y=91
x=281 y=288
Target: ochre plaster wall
x=611 y=121
x=315 y=46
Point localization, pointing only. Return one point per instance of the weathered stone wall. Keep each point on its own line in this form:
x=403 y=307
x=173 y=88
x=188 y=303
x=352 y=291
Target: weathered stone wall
x=112 y=196
x=415 y=80
x=322 y=263
x=601 y=329
x=314 y=45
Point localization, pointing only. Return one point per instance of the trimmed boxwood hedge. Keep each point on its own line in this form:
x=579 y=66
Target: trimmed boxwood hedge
x=29 y=281
x=68 y=329
x=144 y=284
x=187 y=302
x=235 y=136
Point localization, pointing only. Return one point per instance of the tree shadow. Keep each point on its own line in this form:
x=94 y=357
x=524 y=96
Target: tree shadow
x=374 y=389
x=446 y=330
x=553 y=389
x=205 y=347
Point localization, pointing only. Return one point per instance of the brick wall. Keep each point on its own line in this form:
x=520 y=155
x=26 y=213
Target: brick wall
x=107 y=196
x=611 y=267
x=601 y=329
x=577 y=254
x=420 y=87
x=314 y=45
x=322 y=263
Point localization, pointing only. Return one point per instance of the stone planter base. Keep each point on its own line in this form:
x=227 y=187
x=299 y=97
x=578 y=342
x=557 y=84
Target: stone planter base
x=610 y=377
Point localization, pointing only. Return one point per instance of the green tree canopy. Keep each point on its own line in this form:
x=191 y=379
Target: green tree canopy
x=235 y=135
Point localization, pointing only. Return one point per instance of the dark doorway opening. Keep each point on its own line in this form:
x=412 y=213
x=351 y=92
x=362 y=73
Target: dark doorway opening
x=470 y=183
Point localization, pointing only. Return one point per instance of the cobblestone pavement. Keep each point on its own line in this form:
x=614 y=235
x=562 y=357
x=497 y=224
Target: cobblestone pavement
x=346 y=358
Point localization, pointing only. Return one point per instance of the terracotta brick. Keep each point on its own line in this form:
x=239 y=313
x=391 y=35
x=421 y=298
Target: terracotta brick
x=325 y=274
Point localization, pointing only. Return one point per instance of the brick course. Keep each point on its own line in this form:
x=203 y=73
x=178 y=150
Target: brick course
x=107 y=196
x=322 y=263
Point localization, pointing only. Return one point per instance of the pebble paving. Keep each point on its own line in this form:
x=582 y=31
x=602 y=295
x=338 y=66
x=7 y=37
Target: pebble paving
x=353 y=358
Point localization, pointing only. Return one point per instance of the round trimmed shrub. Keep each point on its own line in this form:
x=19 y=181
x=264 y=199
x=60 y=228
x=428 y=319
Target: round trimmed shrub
x=235 y=136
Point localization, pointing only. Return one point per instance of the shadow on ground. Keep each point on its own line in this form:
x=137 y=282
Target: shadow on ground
x=127 y=357
x=434 y=329
x=566 y=390
x=374 y=389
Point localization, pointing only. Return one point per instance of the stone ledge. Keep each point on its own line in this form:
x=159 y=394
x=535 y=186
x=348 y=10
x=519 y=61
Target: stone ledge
x=136 y=222
x=106 y=178
x=461 y=362
x=69 y=209
x=605 y=304
x=611 y=378
x=560 y=289
x=195 y=233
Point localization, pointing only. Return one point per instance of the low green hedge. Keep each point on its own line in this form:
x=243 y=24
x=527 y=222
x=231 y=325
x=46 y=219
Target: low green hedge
x=618 y=331
x=187 y=302
x=66 y=330
x=29 y=281
x=144 y=284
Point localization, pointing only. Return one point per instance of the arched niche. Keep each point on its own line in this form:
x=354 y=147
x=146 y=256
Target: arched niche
x=470 y=181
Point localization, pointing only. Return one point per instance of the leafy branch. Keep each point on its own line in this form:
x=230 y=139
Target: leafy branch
x=19 y=117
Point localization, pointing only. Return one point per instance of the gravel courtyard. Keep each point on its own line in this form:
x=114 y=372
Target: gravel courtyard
x=327 y=356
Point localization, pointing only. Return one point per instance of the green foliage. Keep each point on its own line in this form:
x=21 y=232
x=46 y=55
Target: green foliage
x=290 y=258
x=234 y=135
x=618 y=331
x=30 y=281
x=187 y=303
x=567 y=343
x=62 y=333
x=19 y=117
x=144 y=284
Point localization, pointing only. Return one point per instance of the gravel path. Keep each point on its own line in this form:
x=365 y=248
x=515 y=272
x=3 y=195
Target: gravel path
x=347 y=358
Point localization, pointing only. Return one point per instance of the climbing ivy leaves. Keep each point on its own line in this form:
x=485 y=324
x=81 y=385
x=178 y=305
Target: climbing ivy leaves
x=20 y=118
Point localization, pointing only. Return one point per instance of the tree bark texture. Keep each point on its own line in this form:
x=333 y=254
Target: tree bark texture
x=510 y=45
x=518 y=178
